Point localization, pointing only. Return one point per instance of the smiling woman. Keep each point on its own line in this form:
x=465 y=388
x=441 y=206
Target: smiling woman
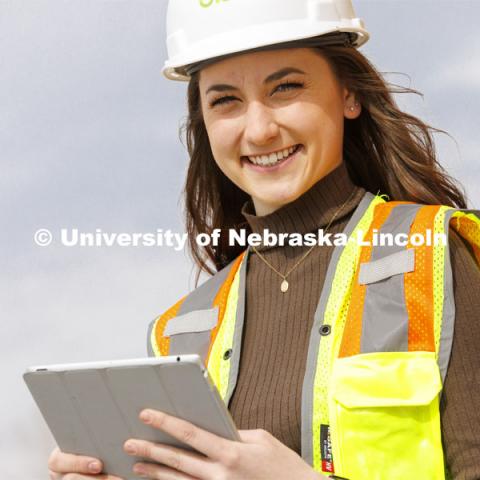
x=355 y=367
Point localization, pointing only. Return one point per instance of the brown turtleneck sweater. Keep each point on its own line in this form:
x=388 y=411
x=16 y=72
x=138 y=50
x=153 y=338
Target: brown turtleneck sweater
x=277 y=327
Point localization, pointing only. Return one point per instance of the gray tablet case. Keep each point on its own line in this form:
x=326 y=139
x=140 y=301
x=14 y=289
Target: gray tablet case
x=93 y=411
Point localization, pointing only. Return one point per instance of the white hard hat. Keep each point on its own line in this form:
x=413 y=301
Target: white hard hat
x=202 y=30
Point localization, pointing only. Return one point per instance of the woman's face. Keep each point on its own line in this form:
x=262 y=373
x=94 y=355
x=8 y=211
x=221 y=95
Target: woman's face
x=275 y=122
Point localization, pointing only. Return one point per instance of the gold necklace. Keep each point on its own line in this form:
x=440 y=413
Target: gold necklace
x=284 y=284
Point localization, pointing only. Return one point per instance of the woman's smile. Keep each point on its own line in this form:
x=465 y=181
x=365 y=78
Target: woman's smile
x=273 y=162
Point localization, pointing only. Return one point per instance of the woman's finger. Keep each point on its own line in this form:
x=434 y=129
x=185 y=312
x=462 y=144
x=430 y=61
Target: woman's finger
x=204 y=442
x=160 y=472
x=177 y=459
x=60 y=462
x=78 y=476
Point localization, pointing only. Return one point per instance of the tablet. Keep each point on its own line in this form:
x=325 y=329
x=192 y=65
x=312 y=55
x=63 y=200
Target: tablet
x=92 y=408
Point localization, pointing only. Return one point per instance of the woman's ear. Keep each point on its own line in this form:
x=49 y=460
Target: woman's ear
x=352 y=108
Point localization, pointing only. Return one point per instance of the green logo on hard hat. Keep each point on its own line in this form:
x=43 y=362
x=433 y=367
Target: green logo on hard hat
x=209 y=3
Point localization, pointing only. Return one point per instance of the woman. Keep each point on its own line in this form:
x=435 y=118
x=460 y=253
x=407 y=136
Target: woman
x=344 y=348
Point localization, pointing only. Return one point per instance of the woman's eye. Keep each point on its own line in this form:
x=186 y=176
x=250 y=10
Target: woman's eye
x=283 y=87
x=222 y=100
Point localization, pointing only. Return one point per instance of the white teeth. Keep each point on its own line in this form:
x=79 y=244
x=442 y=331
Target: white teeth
x=273 y=158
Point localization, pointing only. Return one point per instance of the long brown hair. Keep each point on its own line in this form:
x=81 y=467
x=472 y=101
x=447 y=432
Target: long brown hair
x=384 y=149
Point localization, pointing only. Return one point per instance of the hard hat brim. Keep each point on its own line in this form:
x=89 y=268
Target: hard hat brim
x=253 y=38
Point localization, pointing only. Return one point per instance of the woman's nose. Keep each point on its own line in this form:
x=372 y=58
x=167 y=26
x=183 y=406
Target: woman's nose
x=260 y=124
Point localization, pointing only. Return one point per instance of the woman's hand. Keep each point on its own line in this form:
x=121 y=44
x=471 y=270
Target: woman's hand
x=259 y=456
x=64 y=466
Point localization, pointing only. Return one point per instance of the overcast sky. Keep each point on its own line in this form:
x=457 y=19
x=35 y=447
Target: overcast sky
x=89 y=139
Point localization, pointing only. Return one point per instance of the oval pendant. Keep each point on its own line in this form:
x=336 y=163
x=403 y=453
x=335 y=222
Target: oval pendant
x=284 y=286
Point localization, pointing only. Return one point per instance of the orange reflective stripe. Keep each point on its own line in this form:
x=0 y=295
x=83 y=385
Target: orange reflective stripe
x=163 y=343
x=220 y=300
x=351 y=338
x=419 y=285
x=469 y=230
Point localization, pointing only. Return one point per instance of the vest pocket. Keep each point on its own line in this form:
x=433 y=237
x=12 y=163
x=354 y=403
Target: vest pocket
x=384 y=415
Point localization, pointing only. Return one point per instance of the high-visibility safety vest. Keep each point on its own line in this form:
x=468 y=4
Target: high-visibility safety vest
x=378 y=350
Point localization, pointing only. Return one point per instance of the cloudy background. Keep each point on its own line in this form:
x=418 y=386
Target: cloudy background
x=89 y=139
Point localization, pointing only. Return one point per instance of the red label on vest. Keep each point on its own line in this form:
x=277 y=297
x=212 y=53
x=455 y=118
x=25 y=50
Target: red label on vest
x=326 y=449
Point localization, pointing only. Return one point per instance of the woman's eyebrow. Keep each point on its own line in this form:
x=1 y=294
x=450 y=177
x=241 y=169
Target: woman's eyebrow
x=223 y=87
x=282 y=73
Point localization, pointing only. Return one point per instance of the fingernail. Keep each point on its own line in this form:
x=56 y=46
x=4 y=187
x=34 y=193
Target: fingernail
x=146 y=417
x=138 y=469
x=94 y=466
x=131 y=448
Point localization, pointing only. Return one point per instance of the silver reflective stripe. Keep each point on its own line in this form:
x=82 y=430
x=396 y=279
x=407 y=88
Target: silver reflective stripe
x=237 y=334
x=190 y=343
x=195 y=321
x=448 y=317
x=191 y=332
x=314 y=343
x=203 y=296
x=385 y=316
x=400 y=262
x=150 y=351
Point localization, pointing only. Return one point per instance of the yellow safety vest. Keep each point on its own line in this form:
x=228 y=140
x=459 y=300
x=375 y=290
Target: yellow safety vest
x=378 y=350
